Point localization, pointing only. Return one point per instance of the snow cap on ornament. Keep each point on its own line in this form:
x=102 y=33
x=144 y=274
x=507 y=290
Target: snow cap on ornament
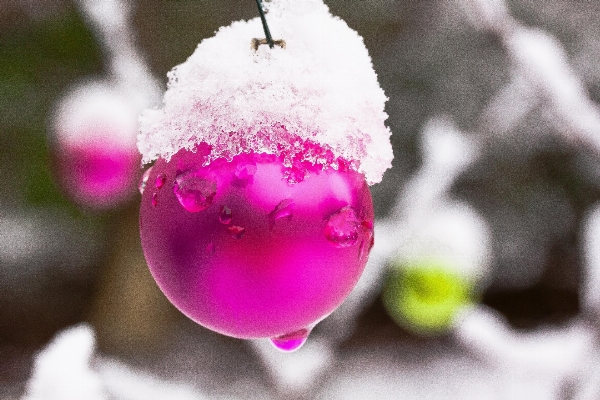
x=96 y=112
x=316 y=100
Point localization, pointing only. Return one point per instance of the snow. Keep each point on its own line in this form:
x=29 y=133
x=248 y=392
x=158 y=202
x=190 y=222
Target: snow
x=68 y=369
x=545 y=351
x=427 y=223
x=62 y=370
x=106 y=109
x=112 y=23
x=96 y=111
x=316 y=100
x=541 y=72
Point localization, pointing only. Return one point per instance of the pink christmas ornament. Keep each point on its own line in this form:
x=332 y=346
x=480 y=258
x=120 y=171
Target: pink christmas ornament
x=241 y=251
x=256 y=219
x=95 y=158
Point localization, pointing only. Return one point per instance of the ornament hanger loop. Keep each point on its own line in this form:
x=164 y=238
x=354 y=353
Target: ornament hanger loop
x=269 y=40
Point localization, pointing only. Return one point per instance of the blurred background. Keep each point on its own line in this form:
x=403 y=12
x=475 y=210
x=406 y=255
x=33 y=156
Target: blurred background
x=520 y=80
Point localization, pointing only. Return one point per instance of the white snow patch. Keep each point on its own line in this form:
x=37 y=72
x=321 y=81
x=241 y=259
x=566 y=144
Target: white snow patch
x=427 y=224
x=68 y=369
x=558 y=351
x=62 y=370
x=96 y=111
x=322 y=88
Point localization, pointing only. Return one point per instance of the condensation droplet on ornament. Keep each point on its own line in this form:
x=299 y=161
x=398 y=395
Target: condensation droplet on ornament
x=368 y=242
x=154 y=199
x=284 y=209
x=160 y=180
x=244 y=172
x=236 y=231
x=210 y=248
x=225 y=215
x=194 y=193
x=144 y=180
x=343 y=228
x=291 y=341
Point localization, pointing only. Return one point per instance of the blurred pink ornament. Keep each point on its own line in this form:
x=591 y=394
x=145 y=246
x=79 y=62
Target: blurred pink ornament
x=94 y=147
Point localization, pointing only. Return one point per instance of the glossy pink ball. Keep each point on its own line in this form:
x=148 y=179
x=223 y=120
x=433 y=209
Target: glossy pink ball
x=250 y=248
x=96 y=175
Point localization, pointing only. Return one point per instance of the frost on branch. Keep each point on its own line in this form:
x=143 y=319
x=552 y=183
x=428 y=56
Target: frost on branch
x=62 y=370
x=317 y=100
x=68 y=369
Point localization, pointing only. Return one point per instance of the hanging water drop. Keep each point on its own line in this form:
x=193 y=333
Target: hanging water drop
x=154 y=199
x=194 y=193
x=236 y=231
x=291 y=341
x=144 y=180
x=225 y=215
x=343 y=228
x=284 y=209
x=160 y=180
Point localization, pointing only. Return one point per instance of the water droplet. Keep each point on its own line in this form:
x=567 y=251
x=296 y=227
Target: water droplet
x=244 y=173
x=291 y=341
x=367 y=225
x=194 y=193
x=245 y=170
x=367 y=243
x=284 y=209
x=343 y=228
x=236 y=231
x=160 y=180
x=225 y=215
x=154 y=199
x=210 y=248
x=144 y=180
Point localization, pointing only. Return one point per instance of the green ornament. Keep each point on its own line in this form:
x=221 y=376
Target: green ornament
x=424 y=297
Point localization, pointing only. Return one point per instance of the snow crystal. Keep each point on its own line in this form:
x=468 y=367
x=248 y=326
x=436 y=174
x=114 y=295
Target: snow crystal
x=316 y=100
x=96 y=111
